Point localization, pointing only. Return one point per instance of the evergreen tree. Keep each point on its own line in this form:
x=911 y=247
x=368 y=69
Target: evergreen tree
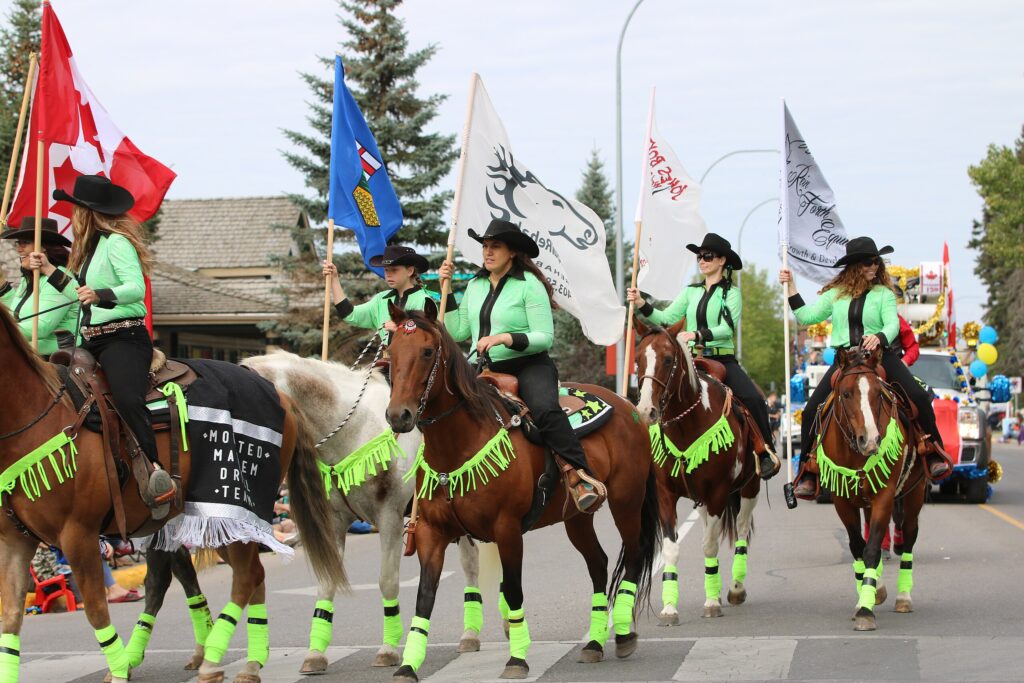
x=19 y=38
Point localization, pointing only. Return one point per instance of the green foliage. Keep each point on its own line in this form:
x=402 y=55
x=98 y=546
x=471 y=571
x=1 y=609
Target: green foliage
x=19 y=38
x=763 y=347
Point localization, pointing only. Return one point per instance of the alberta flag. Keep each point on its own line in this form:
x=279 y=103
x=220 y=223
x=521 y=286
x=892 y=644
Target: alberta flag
x=360 y=195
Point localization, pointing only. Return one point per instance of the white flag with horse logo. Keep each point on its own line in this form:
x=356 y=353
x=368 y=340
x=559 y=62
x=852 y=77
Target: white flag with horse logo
x=571 y=237
x=669 y=212
x=808 y=221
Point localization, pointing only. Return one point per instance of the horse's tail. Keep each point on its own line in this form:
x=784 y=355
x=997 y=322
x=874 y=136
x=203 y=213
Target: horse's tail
x=310 y=508
x=732 y=509
x=650 y=545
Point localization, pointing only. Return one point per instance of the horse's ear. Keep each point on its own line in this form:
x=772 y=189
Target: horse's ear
x=875 y=357
x=678 y=327
x=639 y=327
x=840 y=357
x=396 y=312
x=430 y=311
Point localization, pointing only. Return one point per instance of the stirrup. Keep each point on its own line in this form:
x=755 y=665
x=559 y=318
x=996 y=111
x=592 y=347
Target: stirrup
x=811 y=480
x=587 y=493
x=776 y=464
x=161 y=489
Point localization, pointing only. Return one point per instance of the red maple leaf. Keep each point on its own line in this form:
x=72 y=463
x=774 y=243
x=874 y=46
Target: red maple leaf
x=931 y=275
x=90 y=134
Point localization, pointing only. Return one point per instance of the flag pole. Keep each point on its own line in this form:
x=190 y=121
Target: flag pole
x=327 y=289
x=26 y=96
x=784 y=218
x=38 y=241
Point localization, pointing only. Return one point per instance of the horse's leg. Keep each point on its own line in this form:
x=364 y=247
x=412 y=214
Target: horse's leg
x=472 y=601
x=323 y=612
x=670 y=579
x=870 y=592
x=850 y=517
x=712 y=577
x=744 y=527
x=14 y=584
x=246 y=575
x=430 y=547
x=158 y=580
x=580 y=530
x=509 y=539
x=389 y=525
x=258 y=636
x=198 y=609
x=912 y=504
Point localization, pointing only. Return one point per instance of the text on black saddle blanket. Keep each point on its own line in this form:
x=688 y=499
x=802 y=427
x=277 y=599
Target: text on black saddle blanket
x=587 y=413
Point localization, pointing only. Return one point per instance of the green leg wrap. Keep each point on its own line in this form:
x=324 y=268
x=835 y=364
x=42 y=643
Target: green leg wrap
x=220 y=635
x=905 y=582
x=472 y=610
x=598 y=618
x=622 y=613
x=140 y=639
x=712 y=579
x=392 y=623
x=858 y=573
x=416 y=643
x=320 y=631
x=518 y=634
x=258 y=633
x=202 y=620
x=113 y=650
x=670 y=585
x=10 y=655
x=868 y=589
x=739 y=563
x=503 y=606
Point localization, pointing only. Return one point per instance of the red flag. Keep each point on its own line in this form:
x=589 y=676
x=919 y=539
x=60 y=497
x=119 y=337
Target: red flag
x=950 y=311
x=79 y=138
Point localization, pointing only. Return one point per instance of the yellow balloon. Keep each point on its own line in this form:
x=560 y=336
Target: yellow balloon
x=987 y=354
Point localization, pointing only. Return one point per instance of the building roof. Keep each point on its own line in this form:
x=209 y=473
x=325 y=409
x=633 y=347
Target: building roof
x=242 y=232
x=177 y=291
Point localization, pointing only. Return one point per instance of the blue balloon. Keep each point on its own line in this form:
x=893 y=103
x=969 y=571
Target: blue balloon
x=829 y=356
x=796 y=388
x=1000 y=388
x=988 y=335
x=978 y=369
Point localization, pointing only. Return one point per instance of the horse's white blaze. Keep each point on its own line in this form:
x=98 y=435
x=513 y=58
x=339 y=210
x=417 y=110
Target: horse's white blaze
x=870 y=426
x=705 y=399
x=646 y=404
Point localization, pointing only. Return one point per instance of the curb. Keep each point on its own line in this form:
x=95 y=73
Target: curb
x=130 y=577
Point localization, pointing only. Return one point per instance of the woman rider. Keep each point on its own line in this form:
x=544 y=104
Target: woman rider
x=862 y=305
x=110 y=258
x=711 y=310
x=507 y=311
x=19 y=300
x=402 y=270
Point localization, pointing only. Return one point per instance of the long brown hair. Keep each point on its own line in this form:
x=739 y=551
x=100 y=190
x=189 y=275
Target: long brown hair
x=88 y=225
x=852 y=282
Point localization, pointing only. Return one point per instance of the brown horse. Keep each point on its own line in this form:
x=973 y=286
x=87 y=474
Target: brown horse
x=866 y=458
x=705 y=454
x=72 y=511
x=478 y=477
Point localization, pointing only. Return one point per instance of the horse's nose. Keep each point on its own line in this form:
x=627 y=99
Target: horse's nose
x=653 y=415
x=401 y=421
x=863 y=443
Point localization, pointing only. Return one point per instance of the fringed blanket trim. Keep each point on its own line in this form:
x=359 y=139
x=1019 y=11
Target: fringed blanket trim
x=215 y=525
x=29 y=471
x=844 y=482
x=490 y=461
x=361 y=463
x=716 y=439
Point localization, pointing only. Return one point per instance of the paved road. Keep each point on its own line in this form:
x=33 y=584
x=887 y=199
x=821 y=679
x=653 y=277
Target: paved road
x=795 y=626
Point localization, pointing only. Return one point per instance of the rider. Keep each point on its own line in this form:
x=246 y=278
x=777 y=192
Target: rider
x=19 y=300
x=402 y=270
x=110 y=258
x=712 y=310
x=862 y=306
x=507 y=310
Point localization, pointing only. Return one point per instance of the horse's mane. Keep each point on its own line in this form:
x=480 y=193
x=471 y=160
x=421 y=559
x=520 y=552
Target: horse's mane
x=480 y=397
x=280 y=358
x=46 y=372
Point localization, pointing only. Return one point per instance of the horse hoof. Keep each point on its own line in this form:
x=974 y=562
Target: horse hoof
x=711 y=611
x=592 y=653
x=668 y=619
x=904 y=606
x=215 y=677
x=864 y=620
x=194 y=663
x=880 y=595
x=404 y=674
x=243 y=677
x=515 y=669
x=626 y=645
x=737 y=597
x=469 y=644
x=314 y=664
x=387 y=658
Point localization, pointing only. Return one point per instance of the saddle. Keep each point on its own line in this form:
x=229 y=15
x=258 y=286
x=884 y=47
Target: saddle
x=91 y=379
x=710 y=367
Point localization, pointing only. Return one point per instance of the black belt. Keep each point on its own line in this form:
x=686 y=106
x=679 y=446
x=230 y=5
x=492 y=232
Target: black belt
x=93 y=331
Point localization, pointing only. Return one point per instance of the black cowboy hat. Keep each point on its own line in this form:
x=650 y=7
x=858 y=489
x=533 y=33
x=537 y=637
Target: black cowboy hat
x=27 y=229
x=99 y=194
x=718 y=245
x=510 y=234
x=395 y=255
x=861 y=249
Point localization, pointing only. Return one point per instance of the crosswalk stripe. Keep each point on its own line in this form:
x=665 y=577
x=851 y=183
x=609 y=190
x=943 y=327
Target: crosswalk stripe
x=490 y=661
x=737 y=659
x=62 y=668
x=284 y=663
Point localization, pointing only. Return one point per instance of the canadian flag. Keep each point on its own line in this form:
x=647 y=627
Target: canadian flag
x=79 y=138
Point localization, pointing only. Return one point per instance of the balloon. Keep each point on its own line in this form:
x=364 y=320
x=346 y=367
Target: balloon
x=987 y=354
x=1000 y=388
x=829 y=356
x=988 y=335
x=978 y=368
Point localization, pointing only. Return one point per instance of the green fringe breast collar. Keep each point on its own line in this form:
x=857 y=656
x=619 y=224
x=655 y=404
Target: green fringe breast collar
x=488 y=463
x=29 y=472
x=717 y=438
x=353 y=470
x=844 y=482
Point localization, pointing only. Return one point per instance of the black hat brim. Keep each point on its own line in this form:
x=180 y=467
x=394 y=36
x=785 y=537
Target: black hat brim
x=120 y=201
x=858 y=256
x=732 y=259
x=48 y=236
x=415 y=260
x=516 y=240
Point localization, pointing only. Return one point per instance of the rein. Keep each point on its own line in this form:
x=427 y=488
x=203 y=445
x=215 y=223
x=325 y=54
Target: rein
x=366 y=381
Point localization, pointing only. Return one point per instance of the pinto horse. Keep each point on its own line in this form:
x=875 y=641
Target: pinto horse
x=478 y=476
x=866 y=458
x=705 y=455
x=73 y=508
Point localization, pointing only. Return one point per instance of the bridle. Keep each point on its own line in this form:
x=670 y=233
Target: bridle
x=677 y=351
x=888 y=403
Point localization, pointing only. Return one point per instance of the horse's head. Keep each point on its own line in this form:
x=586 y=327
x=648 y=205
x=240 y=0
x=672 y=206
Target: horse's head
x=664 y=366
x=860 y=396
x=416 y=356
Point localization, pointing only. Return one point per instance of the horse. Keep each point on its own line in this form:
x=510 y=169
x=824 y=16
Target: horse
x=478 y=475
x=371 y=486
x=866 y=458
x=72 y=508
x=704 y=451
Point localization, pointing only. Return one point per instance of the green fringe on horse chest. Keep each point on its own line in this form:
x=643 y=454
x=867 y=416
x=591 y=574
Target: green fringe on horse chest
x=844 y=482
x=28 y=472
x=717 y=438
x=488 y=463
x=356 y=467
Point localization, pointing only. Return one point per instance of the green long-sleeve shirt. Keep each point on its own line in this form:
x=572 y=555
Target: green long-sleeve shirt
x=114 y=272
x=518 y=305
x=709 y=313
x=374 y=313
x=874 y=313
x=19 y=301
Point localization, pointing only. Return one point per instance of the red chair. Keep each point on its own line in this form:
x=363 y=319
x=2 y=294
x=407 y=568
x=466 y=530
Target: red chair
x=48 y=591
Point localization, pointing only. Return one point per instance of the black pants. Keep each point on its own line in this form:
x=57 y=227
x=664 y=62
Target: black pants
x=126 y=356
x=747 y=392
x=538 y=386
x=898 y=376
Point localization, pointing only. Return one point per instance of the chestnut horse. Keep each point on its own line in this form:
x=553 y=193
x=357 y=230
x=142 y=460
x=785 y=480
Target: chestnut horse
x=74 y=507
x=866 y=457
x=692 y=410
x=478 y=477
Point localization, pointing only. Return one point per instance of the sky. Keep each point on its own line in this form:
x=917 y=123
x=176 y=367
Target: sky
x=895 y=98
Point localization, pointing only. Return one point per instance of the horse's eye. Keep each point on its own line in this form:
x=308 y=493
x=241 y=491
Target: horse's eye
x=668 y=358
x=847 y=394
x=428 y=352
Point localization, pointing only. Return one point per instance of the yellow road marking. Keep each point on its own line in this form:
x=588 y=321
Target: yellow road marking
x=1003 y=516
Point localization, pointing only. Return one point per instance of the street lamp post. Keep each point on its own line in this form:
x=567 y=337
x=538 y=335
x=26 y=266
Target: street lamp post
x=733 y=153
x=739 y=249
